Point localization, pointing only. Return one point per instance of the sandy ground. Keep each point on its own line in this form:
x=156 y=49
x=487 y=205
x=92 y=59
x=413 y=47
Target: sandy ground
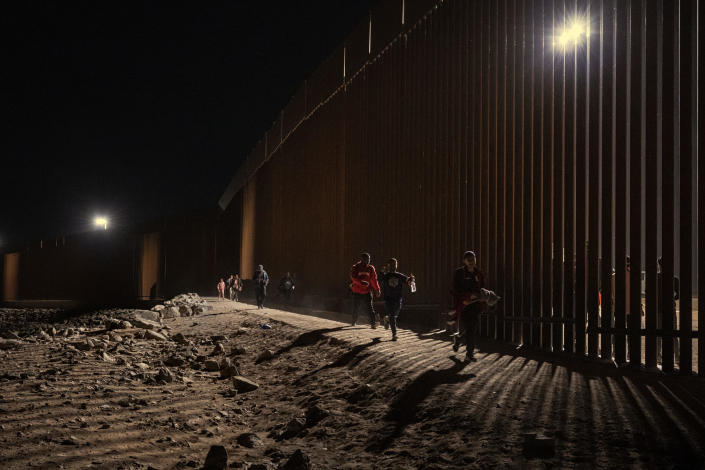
x=364 y=401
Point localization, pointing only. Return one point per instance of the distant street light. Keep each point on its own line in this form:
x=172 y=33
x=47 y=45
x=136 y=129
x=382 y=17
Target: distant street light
x=572 y=34
x=101 y=222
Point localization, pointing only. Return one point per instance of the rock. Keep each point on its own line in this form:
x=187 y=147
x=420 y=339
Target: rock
x=149 y=334
x=315 y=414
x=212 y=365
x=249 y=440
x=243 y=384
x=294 y=427
x=361 y=393
x=52 y=331
x=107 y=357
x=141 y=365
x=539 y=446
x=218 y=338
x=170 y=312
x=115 y=338
x=217 y=458
x=198 y=310
x=179 y=338
x=266 y=326
x=227 y=369
x=146 y=315
x=164 y=375
x=218 y=350
x=126 y=325
x=237 y=350
x=10 y=344
x=174 y=361
x=45 y=336
x=145 y=324
x=298 y=461
x=266 y=355
x=70 y=441
x=81 y=346
x=185 y=311
x=158 y=308
x=112 y=324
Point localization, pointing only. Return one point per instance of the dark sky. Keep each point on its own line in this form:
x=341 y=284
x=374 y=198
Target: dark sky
x=141 y=109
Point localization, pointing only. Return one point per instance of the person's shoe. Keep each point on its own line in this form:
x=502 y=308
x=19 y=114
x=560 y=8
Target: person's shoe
x=469 y=357
x=354 y=323
x=373 y=326
x=394 y=337
x=456 y=343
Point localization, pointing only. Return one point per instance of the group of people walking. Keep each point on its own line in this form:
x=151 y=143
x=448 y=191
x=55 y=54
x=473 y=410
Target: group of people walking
x=470 y=297
x=234 y=285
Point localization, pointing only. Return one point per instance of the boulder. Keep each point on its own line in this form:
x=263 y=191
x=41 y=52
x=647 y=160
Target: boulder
x=158 y=308
x=170 y=312
x=164 y=375
x=298 y=461
x=249 y=440
x=147 y=315
x=179 y=338
x=217 y=459
x=149 y=334
x=146 y=324
x=294 y=427
x=243 y=384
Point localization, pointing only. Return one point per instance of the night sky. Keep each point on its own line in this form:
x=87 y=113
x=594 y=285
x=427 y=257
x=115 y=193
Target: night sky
x=138 y=110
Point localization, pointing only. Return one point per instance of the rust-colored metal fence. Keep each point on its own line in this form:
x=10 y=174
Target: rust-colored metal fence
x=562 y=140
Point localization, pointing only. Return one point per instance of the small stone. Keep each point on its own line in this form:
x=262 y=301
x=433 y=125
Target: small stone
x=174 y=361
x=170 y=312
x=315 y=414
x=70 y=441
x=217 y=458
x=145 y=324
x=179 y=338
x=52 y=331
x=243 y=384
x=294 y=427
x=107 y=357
x=146 y=315
x=298 y=461
x=237 y=350
x=266 y=355
x=218 y=350
x=149 y=334
x=249 y=440
x=158 y=308
x=212 y=365
x=141 y=365
x=165 y=375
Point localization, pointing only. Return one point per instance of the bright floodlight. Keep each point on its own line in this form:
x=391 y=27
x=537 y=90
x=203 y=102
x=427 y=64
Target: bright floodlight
x=101 y=222
x=572 y=34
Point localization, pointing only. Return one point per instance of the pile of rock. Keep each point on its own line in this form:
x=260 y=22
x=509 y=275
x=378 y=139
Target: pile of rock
x=183 y=305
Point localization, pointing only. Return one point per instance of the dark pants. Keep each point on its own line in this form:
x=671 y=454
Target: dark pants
x=364 y=300
x=393 y=308
x=261 y=292
x=469 y=321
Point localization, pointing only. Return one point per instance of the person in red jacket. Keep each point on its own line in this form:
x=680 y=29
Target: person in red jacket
x=364 y=283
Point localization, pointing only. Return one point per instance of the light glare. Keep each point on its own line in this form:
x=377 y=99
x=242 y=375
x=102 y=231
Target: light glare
x=101 y=222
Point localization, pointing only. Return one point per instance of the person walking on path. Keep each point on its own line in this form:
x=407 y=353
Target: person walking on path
x=392 y=283
x=236 y=288
x=261 y=283
x=229 y=286
x=468 y=282
x=287 y=286
x=221 y=289
x=364 y=283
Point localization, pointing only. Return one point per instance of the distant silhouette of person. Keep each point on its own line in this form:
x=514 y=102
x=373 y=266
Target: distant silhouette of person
x=287 y=286
x=392 y=282
x=236 y=288
x=364 y=282
x=221 y=289
x=659 y=321
x=261 y=282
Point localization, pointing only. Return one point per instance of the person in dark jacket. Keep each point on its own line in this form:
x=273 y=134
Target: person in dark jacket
x=287 y=286
x=468 y=282
x=261 y=282
x=364 y=282
x=392 y=283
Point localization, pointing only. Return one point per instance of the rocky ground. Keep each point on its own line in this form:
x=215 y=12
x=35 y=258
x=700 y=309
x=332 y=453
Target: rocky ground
x=163 y=389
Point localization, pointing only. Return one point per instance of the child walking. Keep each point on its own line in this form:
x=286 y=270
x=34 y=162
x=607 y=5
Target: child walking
x=221 y=289
x=392 y=283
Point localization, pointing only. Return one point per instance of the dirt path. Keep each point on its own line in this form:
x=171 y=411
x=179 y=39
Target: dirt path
x=363 y=402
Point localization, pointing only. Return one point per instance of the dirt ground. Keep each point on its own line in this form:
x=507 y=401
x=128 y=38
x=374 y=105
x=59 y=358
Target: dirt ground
x=362 y=401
